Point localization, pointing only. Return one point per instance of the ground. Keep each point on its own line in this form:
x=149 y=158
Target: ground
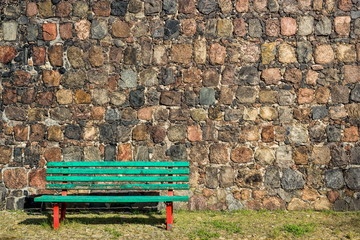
x=242 y=224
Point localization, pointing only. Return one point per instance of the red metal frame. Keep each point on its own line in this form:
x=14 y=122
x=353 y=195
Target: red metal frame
x=56 y=216
x=169 y=210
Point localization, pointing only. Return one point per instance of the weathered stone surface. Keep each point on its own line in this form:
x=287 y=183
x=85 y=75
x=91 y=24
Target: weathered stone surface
x=340 y=94
x=323 y=27
x=255 y=28
x=241 y=154
x=286 y=53
x=72 y=153
x=83 y=29
x=207 y=96
x=219 y=153
x=56 y=55
x=5 y=154
x=334 y=179
x=15 y=178
x=306 y=25
x=292 y=179
x=98 y=29
x=177 y=152
x=304 y=51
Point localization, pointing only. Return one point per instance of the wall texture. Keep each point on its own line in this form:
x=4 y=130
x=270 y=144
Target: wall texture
x=262 y=96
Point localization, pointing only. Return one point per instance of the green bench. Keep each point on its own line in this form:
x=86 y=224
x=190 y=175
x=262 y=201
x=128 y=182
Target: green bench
x=108 y=175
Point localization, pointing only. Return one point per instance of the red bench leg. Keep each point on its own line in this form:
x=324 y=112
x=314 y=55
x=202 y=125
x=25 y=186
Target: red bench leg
x=63 y=211
x=169 y=215
x=56 y=216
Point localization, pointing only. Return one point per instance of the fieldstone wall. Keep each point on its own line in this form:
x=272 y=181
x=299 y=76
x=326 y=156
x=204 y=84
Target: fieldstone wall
x=262 y=96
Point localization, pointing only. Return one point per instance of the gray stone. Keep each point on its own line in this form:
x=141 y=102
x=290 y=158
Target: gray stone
x=304 y=51
x=210 y=28
x=135 y=6
x=333 y=133
x=246 y=94
x=334 y=179
x=92 y=153
x=272 y=177
x=354 y=204
x=285 y=114
x=176 y=133
x=248 y=75
x=100 y=96
x=177 y=152
x=339 y=156
x=152 y=7
x=61 y=114
x=286 y=98
x=323 y=27
x=128 y=79
x=255 y=28
x=357 y=26
x=130 y=56
x=10 y=31
x=317 y=133
x=340 y=94
x=152 y=97
x=319 y=112
x=341 y=205
x=355 y=93
x=32 y=32
x=112 y=114
x=298 y=134
x=355 y=155
x=226 y=176
x=290 y=6
x=32 y=156
x=12 y=11
x=157 y=29
x=110 y=153
x=148 y=77
x=167 y=76
x=207 y=6
x=108 y=133
x=123 y=133
x=233 y=203
x=170 y=6
x=352 y=178
x=273 y=5
x=355 y=14
x=207 y=96
x=171 y=29
x=234 y=114
x=98 y=29
x=72 y=153
x=228 y=134
x=73 y=132
x=10 y=203
x=306 y=25
x=190 y=98
x=142 y=153
x=137 y=98
x=80 y=9
x=119 y=8
x=75 y=57
x=74 y=79
x=292 y=179
x=211 y=179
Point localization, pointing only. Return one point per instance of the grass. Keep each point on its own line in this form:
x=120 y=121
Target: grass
x=203 y=225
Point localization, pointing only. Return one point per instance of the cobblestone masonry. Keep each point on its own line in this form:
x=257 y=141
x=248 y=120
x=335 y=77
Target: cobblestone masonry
x=262 y=96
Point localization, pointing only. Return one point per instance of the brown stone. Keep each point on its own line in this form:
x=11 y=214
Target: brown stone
x=240 y=28
x=186 y=6
x=272 y=27
x=21 y=78
x=55 y=133
x=181 y=53
x=305 y=95
x=37 y=178
x=45 y=98
x=170 y=98
x=322 y=95
x=63 y=9
x=351 y=134
x=82 y=28
x=351 y=74
x=45 y=8
x=345 y=5
x=158 y=134
x=124 y=152
x=15 y=178
x=21 y=133
x=38 y=55
x=5 y=154
x=145 y=113
x=302 y=113
x=194 y=133
x=7 y=54
x=260 y=5
x=293 y=75
x=346 y=53
x=226 y=95
x=310 y=194
x=254 y=205
x=241 y=155
x=140 y=133
x=301 y=155
x=49 y=31
x=333 y=196
x=322 y=204
x=37 y=132
x=96 y=56
x=9 y=96
x=188 y=27
x=31 y=9
x=192 y=75
x=324 y=54
x=242 y=5
x=217 y=54
x=51 y=78
x=211 y=78
x=98 y=113
x=120 y=29
x=297 y=204
x=288 y=26
x=65 y=30
x=56 y=55
x=268 y=134
x=64 y=96
x=82 y=97
x=268 y=96
x=342 y=25
x=286 y=53
x=52 y=154
x=101 y=8
x=311 y=77
x=273 y=203
x=271 y=76
x=219 y=153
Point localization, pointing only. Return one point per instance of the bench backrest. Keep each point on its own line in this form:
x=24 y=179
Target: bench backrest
x=111 y=175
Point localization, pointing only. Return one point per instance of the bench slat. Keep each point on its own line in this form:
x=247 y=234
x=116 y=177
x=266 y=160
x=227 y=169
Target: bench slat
x=90 y=186
x=78 y=198
x=114 y=171
x=116 y=178
x=118 y=164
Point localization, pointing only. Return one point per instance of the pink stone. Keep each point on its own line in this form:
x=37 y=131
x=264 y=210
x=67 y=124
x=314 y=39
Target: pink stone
x=288 y=26
x=217 y=54
x=194 y=133
x=82 y=28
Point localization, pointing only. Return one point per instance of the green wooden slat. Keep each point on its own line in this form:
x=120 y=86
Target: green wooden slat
x=58 y=198
x=84 y=186
x=118 y=164
x=115 y=171
x=116 y=178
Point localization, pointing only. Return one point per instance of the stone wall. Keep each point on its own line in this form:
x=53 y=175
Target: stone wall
x=262 y=96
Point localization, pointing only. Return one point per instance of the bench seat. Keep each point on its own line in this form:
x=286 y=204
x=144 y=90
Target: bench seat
x=110 y=199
